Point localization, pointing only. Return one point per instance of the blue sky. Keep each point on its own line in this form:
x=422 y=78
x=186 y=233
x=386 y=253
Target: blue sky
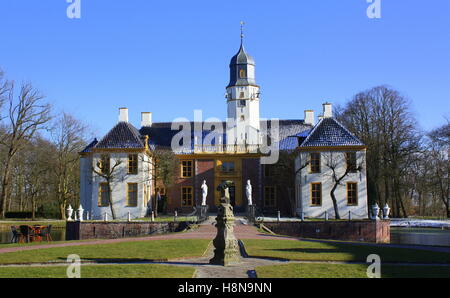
x=171 y=57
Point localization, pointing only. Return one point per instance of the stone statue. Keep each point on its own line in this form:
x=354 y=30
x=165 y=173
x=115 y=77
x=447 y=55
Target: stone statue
x=204 y=192
x=225 y=191
x=226 y=250
x=248 y=191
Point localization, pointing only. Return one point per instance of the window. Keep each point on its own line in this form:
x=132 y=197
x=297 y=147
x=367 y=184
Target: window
x=269 y=196
x=242 y=95
x=242 y=73
x=268 y=170
x=187 y=197
x=242 y=103
x=228 y=166
x=352 y=193
x=186 y=168
x=315 y=162
x=103 y=195
x=104 y=164
x=316 y=194
x=351 y=161
x=133 y=164
x=132 y=198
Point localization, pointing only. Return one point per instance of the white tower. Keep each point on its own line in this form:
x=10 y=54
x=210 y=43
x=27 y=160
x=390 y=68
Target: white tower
x=243 y=100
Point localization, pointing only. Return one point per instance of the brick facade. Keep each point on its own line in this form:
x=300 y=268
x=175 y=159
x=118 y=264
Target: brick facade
x=113 y=230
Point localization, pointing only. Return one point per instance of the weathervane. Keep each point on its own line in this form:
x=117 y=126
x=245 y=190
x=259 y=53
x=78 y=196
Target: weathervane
x=242 y=30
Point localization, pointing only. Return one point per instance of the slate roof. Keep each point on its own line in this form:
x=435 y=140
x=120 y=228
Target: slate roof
x=328 y=132
x=123 y=135
x=90 y=146
x=160 y=134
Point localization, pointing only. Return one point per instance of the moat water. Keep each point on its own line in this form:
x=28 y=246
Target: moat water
x=414 y=236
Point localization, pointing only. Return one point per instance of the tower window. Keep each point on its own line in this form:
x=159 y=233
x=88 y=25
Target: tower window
x=242 y=118
x=242 y=95
x=242 y=103
x=242 y=73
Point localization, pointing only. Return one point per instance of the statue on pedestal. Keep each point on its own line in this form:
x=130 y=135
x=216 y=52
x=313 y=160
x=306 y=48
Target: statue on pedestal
x=226 y=246
x=248 y=192
x=204 y=192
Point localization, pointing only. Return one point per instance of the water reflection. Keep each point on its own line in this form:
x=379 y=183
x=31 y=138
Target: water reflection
x=420 y=236
x=57 y=235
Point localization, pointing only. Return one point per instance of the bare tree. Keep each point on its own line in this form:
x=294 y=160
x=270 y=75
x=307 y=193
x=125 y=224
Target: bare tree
x=336 y=161
x=284 y=174
x=26 y=116
x=162 y=162
x=104 y=170
x=382 y=120
x=68 y=138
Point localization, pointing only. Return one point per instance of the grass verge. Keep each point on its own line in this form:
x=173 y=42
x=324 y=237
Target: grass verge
x=101 y=271
x=349 y=271
x=131 y=251
x=320 y=251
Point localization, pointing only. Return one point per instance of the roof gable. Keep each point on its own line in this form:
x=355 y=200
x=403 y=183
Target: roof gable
x=330 y=133
x=123 y=135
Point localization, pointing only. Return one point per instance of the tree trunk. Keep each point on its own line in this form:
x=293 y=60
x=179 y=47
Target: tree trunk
x=33 y=208
x=113 y=213
x=333 y=198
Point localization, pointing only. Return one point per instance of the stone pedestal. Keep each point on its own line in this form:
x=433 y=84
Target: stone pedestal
x=251 y=212
x=226 y=246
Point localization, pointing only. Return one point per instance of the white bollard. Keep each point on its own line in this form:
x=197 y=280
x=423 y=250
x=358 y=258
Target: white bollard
x=106 y=216
x=129 y=216
x=302 y=216
x=175 y=216
x=153 y=216
x=326 y=216
x=349 y=215
x=279 y=216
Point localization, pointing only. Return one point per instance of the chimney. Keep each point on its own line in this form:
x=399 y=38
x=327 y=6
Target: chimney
x=123 y=115
x=146 y=119
x=327 y=110
x=309 y=117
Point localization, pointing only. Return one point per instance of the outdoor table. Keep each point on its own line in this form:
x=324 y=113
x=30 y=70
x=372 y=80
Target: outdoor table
x=37 y=229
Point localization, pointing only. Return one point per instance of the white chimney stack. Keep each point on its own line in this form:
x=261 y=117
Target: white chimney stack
x=327 y=110
x=146 y=119
x=309 y=117
x=123 y=115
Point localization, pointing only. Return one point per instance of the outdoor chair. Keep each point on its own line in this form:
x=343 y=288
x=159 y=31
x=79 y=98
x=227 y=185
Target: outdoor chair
x=46 y=233
x=27 y=233
x=16 y=235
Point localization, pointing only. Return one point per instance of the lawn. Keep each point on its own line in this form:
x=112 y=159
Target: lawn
x=101 y=271
x=134 y=250
x=349 y=271
x=320 y=251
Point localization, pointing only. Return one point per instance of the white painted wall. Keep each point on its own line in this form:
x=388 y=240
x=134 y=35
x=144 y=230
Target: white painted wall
x=304 y=179
x=90 y=186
